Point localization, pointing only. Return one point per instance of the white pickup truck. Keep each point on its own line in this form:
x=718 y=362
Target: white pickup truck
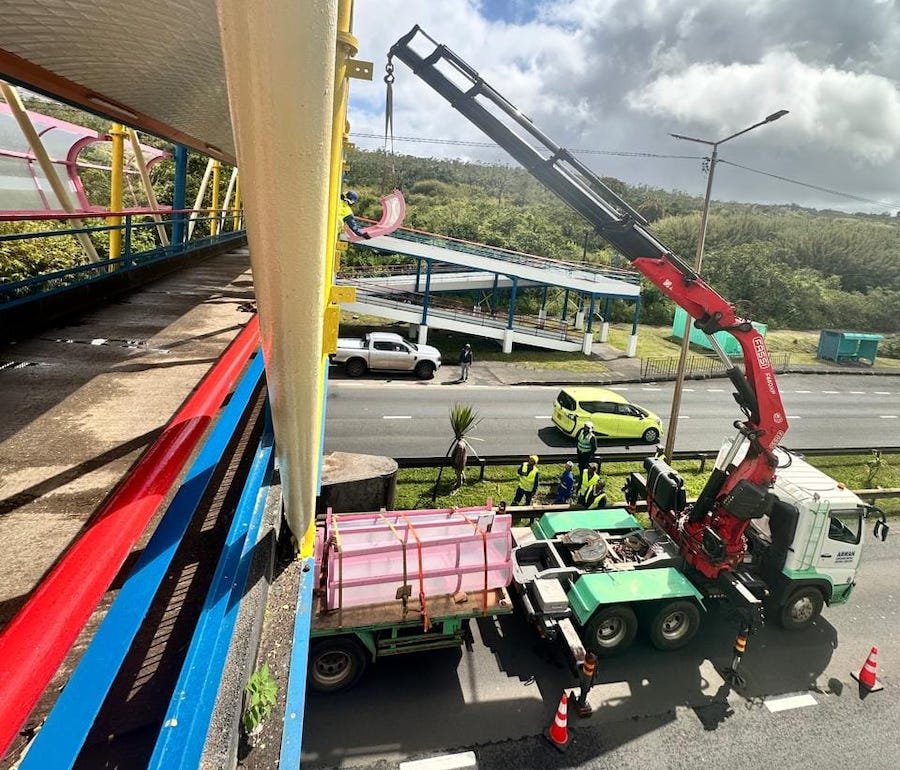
x=386 y=352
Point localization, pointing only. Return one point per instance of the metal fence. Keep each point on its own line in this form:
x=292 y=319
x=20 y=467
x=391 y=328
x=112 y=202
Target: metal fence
x=700 y=366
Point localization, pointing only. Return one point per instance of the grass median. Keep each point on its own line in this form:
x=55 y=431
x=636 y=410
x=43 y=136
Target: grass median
x=416 y=485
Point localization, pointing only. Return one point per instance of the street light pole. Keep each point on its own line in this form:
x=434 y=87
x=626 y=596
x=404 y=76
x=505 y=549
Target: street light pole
x=698 y=263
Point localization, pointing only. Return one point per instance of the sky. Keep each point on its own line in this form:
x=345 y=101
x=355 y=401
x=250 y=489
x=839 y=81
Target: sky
x=618 y=76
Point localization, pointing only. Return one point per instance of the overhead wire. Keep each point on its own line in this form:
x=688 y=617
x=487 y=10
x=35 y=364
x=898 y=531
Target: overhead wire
x=625 y=154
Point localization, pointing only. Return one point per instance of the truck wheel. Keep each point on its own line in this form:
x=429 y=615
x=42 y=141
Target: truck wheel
x=336 y=664
x=356 y=367
x=674 y=625
x=424 y=370
x=802 y=608
x=651 y=435
x=610 y=630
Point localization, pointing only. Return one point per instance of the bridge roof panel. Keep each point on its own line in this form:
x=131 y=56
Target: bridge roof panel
x=152 y=65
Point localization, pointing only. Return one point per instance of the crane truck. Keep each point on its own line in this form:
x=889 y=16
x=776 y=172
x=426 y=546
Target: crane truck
x=768 y=532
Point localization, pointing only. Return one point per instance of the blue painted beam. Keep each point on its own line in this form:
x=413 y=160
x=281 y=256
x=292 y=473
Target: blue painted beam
x=183 y=733
x=59 y=741
x=294 y=709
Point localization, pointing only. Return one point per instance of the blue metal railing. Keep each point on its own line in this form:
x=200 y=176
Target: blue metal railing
x=14 y=293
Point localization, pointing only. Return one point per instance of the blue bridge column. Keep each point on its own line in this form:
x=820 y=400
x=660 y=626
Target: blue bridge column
x=508 y=334
x=423 y=327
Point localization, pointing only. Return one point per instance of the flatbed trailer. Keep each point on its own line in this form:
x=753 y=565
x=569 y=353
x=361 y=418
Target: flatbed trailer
x=344 y=642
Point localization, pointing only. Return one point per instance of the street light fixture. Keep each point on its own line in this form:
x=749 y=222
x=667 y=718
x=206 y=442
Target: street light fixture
x=698 y=263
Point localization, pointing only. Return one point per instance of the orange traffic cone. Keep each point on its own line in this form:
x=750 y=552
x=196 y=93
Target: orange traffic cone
x=866 y=675
x=558 y=732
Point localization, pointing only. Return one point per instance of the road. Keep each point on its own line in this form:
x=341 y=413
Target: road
x=652 y=710
x=405 y=418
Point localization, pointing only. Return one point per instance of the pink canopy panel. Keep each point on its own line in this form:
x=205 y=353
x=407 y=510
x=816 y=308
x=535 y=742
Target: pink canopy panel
x=365 y=558
x=393 y=211
x=24 y=188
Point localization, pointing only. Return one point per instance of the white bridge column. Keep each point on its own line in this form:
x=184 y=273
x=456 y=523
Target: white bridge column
x=579 y=319
x=413 y=331
x=423 y=334
x=587 y=343
x=604 y=331
x=507 y=340
x=631 y=350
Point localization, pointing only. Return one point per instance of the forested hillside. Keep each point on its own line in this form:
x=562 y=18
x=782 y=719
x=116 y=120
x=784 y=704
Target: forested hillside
x=783 y=265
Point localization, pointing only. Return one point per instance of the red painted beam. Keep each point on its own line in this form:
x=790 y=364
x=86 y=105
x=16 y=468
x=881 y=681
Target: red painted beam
x=38 y=638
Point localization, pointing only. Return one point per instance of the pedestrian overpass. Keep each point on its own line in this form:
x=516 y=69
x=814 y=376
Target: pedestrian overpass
x=444 y=266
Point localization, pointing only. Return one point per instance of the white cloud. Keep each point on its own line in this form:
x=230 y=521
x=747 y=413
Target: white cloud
x=857 y=114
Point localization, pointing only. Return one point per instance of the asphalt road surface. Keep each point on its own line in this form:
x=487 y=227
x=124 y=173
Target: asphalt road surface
x=405 y=418
x=653 y=710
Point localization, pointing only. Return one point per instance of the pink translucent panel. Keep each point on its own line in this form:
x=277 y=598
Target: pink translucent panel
x=443 y=551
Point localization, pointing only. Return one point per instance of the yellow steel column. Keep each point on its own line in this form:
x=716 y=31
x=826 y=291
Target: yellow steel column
x=198 y=201
x=11 y=95
x=226 y=204
x=214 y=210
x=116 y=179
x=236 y=219
x=279 y=68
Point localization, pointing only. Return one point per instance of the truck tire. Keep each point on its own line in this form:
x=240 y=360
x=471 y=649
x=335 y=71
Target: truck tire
x=336 y=664
x=356 y=367
x=425 y=370
x=802 y=608
x=674 y=625
x=610 y=630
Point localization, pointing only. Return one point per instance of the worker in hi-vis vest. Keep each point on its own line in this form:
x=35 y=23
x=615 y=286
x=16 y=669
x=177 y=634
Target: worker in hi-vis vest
x=349 y=199
x=596 y=496
x=529 y=478
x=585 y=446
x=587 y=480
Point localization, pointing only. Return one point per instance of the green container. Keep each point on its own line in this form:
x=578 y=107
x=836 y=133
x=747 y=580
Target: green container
x=726 y=340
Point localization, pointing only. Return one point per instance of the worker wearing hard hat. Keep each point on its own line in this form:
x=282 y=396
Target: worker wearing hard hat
x=529 y=478
x=349 y=199
x=585 y=446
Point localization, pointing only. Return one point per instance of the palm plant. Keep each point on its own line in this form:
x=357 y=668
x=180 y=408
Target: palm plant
x=463 y=418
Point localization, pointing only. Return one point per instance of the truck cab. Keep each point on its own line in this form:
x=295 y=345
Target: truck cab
x=386 y=352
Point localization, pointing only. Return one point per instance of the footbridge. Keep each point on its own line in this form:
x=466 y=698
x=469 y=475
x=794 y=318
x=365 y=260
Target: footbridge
x=444 y=266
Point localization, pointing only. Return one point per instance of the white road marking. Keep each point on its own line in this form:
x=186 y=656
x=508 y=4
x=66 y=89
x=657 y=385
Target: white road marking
x=619 y=387
x=802 y=391
x=888 y=416
x=542 y=417
x=396 y=417
x=788 y=702
x=651 y=388
x=687 y=390
x=858 y=392
x=715 y=390
x=684 y=417
x=831 y=392
x=882 y=392
x=794 y=417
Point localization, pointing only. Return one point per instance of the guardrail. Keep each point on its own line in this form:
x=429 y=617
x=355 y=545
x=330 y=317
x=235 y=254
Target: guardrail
x=700 y=366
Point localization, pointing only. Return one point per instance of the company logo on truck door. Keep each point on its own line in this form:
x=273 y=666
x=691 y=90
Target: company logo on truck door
x=761 y=355
x=844 y=556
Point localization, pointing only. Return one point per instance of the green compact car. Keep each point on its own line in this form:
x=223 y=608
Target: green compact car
x=611 y=415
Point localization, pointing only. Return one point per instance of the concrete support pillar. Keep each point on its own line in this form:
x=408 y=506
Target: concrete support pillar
x=507 y=340
x=413 y=331
x=631 y=350
x=587 y=344
x=423 y=334
x=579 y=319
x=604 y=331
x=542 y=316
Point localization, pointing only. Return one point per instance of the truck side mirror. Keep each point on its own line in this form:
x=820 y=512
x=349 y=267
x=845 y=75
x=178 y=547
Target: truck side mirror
x=881 y=529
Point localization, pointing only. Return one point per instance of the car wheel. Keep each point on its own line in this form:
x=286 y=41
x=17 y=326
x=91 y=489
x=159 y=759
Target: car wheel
x=674 y=625
x=356 y=367
x=802 y=608
x=651 y=435
x=336 y=664
x=425 y=370
x=610 y=630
